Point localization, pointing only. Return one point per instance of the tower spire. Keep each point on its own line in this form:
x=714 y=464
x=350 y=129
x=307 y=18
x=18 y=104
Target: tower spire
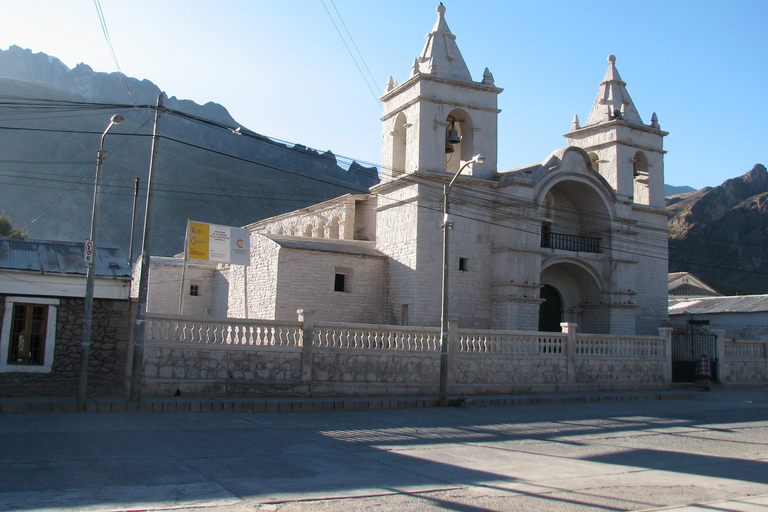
x=613 y=101
x=441 y=56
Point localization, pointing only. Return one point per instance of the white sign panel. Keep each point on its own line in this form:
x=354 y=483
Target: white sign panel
x=222 y=244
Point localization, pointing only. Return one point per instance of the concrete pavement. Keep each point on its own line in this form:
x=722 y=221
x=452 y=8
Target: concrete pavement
x=701 y=451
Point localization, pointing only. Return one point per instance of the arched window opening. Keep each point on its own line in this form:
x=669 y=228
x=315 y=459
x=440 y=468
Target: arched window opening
x=333 y=228
x=399 y=145
x=595 y=160
x=319 y=231
x=640 y=171
x=640 y=166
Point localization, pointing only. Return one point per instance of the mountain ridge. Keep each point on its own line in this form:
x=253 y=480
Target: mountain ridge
x=51 y=123
x=720 y=233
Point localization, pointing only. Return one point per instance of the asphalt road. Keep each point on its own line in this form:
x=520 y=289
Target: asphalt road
x=711 y=450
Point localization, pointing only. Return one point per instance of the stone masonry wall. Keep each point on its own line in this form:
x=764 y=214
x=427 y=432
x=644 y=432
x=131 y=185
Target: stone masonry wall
x=107 y=359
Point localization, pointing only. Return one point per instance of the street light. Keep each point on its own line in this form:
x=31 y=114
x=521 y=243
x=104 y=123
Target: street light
x=446 y=225
x=90 y=263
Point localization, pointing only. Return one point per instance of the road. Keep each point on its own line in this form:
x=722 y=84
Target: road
x=711 y=450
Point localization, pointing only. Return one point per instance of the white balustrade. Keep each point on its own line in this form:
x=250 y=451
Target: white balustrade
x=376 y=337
x=225 y=331
x=745 y=350
x=507 y=342
x=591 y=345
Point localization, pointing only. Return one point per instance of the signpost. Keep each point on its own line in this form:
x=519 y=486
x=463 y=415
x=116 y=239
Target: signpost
x=88 y=253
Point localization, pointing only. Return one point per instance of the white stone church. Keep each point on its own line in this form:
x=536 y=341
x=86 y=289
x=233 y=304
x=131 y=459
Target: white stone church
x=580 y=237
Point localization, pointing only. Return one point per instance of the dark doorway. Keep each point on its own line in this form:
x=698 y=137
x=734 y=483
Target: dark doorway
x=688 y=344
x=551 y=310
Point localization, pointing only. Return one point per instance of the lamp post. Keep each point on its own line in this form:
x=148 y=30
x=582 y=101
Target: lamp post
x=90 y=263
x=446 y=225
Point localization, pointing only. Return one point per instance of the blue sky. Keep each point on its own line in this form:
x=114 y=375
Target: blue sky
x=281 y=68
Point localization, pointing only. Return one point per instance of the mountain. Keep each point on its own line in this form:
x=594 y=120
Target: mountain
x=51 y=121
x=671 y=190
x=720 y=234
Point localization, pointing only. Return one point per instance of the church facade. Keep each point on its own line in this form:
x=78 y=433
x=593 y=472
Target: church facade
x=580 y=237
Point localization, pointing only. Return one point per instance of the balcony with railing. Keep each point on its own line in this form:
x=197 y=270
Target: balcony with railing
x=565 y=242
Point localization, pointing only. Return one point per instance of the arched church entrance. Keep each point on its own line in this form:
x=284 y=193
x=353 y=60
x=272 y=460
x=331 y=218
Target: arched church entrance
x=551 y=310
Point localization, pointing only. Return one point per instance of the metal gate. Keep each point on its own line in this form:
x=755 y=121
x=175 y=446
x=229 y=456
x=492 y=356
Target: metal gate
x=688 y=344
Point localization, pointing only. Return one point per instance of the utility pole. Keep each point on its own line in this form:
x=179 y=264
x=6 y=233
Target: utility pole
x=90 y=272
x=137 y=371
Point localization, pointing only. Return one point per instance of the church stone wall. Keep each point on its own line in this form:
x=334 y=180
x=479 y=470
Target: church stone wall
x=253 y=289
x=306 y=280
x=652 y=272
x=397 y=221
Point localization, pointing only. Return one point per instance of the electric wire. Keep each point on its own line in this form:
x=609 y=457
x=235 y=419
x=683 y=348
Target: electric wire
x=105 y=30
x=365 y=79
x=483 y=203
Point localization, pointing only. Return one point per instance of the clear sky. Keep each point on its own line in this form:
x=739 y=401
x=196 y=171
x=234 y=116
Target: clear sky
x=282 y=69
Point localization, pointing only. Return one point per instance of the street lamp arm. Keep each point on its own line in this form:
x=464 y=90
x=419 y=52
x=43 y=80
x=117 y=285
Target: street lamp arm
x=475 y=159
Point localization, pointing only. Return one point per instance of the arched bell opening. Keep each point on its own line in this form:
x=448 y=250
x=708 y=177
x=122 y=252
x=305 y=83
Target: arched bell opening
x=459 y=135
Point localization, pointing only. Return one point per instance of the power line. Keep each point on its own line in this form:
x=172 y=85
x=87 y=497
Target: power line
x=105 y=30
x=486 y=205
x=365 y=79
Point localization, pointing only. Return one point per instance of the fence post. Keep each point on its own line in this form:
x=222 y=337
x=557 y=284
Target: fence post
x=765 y=357
x=307 y=319
x=569 y=329
x=666 y=333
x=453 y=347
x=721 y=362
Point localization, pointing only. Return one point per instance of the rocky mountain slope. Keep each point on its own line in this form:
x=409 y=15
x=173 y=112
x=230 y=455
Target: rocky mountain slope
x=721 y=234
x=51 y=120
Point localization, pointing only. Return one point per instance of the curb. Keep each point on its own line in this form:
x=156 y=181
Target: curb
x=160 y=405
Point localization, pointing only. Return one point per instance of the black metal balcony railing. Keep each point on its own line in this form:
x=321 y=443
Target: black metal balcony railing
x=570 y=242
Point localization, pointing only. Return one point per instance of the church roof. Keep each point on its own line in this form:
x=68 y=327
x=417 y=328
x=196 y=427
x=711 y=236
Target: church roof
x=305 y=243
x=613 y=101
x=441 y=56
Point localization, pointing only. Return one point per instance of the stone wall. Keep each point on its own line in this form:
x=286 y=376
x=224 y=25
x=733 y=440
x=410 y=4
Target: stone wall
x=262 y=358
x=107 y=359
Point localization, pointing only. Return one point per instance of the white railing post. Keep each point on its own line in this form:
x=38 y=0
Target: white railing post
x=307 y=319
x=569 y=329
x=453 y=346
x=666 y=333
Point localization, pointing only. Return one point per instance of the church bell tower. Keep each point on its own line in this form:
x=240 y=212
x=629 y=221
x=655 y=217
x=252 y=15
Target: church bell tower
x=439 y=118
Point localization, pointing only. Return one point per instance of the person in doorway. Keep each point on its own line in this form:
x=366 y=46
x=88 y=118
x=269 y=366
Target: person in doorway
x=703 y=373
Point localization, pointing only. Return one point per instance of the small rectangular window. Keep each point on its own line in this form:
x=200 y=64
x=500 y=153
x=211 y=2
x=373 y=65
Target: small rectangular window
x=194 y=290
x=464 y=264
x=340 y=282
x=28 y=332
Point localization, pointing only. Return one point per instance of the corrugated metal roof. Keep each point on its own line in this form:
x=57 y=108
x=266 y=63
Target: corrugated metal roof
x=53 y=257
x=357 y=247
x=733 y=304
x=691 y=290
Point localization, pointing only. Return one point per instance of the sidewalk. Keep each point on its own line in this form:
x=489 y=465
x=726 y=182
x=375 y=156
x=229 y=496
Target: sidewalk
x=284 y=404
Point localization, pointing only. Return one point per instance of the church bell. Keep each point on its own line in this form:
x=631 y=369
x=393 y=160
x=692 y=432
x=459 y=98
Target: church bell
x=453 y=135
